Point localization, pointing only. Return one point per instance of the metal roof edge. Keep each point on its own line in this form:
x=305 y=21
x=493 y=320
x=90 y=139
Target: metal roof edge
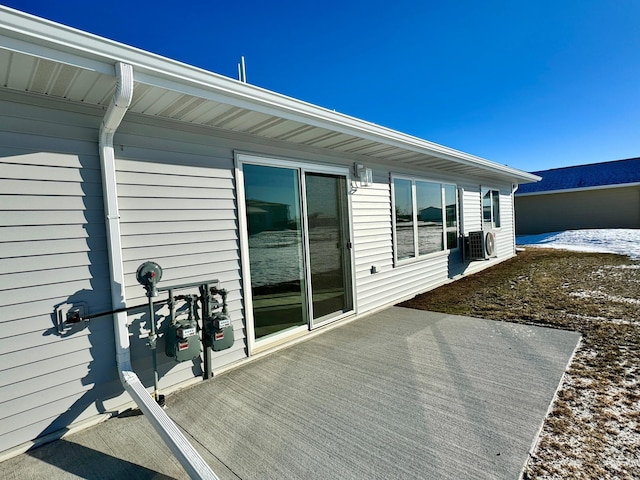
x=590 y=165
x=86 y=50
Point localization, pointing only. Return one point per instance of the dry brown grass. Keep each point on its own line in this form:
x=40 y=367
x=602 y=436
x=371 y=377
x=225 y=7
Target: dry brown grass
x=593 y=429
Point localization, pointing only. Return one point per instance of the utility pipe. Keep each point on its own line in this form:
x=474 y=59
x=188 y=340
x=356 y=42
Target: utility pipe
x=189 y=458
x=153 y=340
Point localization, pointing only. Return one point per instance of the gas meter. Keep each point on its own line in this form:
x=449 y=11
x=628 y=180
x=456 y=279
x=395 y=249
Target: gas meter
x=182 y=341
x=218 y=331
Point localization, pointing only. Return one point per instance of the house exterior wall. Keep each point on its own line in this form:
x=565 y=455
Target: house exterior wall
x=52 y=251
x=373 y=245
x=176 y=197
x=595 y=208
x=178 y=207
x=505 y=234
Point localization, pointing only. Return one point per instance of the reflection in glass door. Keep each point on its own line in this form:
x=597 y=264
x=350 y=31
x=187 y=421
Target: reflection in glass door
x=328 y=237
x=272 y=199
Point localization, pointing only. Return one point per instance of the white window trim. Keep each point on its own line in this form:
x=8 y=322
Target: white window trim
x=417 y=257
x=492 y=224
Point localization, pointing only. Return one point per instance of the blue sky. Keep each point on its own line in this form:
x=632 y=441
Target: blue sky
x=531 y=84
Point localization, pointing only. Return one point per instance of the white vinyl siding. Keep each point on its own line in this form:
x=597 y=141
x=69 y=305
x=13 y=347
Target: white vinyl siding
x=371 y=207
x=373 y=246
x=52 y=251
x=471 y=209
x=498 y=207
x=177 y=208
x=505 y=239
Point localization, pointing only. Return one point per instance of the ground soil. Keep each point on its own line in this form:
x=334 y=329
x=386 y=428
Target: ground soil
x=593 y=429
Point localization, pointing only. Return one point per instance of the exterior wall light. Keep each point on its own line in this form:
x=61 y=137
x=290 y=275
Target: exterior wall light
x=364 y=174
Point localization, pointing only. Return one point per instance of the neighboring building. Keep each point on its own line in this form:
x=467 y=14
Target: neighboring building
x=111 y=156
x=598 y=195
x=263 y=216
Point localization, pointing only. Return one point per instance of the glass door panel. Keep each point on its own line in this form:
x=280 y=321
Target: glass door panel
x=328 y=234
x=272 y=198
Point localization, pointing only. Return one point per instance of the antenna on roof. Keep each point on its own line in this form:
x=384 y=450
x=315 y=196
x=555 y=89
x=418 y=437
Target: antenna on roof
x=242 y=71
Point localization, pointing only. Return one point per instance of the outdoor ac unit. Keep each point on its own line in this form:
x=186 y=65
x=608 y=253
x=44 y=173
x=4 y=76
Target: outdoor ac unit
x=490 y=244
x=482 y=245
x=476 y=245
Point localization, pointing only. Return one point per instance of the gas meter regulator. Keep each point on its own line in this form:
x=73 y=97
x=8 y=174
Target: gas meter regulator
x=148 y=275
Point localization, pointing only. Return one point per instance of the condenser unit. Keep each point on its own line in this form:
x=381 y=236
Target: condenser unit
x=476 y=245
x=481 y=245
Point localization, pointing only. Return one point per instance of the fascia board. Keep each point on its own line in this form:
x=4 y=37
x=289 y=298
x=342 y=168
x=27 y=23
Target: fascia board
x=583 y=189
x=85 y=50
x=203 y=84
x=529 y=177
x=24 y=33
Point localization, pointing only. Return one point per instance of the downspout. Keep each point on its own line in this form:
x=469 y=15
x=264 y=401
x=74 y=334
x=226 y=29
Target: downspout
x=514 y=189
x=190 y=459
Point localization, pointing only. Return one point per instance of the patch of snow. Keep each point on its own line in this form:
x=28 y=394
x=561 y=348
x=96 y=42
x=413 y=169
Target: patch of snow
x=604 y=296
x=623 y=241
x=589 y=318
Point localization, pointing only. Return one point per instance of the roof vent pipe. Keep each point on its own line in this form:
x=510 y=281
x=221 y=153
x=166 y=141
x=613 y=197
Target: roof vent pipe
x=242 y=70
x=190 y=459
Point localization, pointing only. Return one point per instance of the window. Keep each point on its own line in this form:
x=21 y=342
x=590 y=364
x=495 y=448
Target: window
x=491 y=207
x=404 y=235
x=451 y=215
x=425 y=217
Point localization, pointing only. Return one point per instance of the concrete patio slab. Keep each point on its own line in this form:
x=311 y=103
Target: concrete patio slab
x=400 y=394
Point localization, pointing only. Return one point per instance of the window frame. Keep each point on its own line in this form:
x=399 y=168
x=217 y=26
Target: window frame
x=417 y=256
x=494 y=194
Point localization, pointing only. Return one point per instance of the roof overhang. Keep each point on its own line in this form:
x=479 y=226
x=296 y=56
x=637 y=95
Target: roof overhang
x=46 y=58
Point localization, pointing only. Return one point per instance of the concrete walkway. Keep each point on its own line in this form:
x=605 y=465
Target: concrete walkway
x=401 y=394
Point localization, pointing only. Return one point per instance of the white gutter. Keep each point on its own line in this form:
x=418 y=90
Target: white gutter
x=191 y=461
x=514 y=189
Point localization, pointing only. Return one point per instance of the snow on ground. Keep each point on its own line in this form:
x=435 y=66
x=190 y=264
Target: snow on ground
x=624 y=241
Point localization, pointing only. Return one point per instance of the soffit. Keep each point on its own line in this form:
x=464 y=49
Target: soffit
x=187 y=101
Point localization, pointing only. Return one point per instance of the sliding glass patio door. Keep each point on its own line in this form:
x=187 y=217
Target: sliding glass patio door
x=276 y=249
x=298 y=247
x=328 y=240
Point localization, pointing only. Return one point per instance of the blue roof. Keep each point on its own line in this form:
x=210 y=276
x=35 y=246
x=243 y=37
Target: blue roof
x=617 y=172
